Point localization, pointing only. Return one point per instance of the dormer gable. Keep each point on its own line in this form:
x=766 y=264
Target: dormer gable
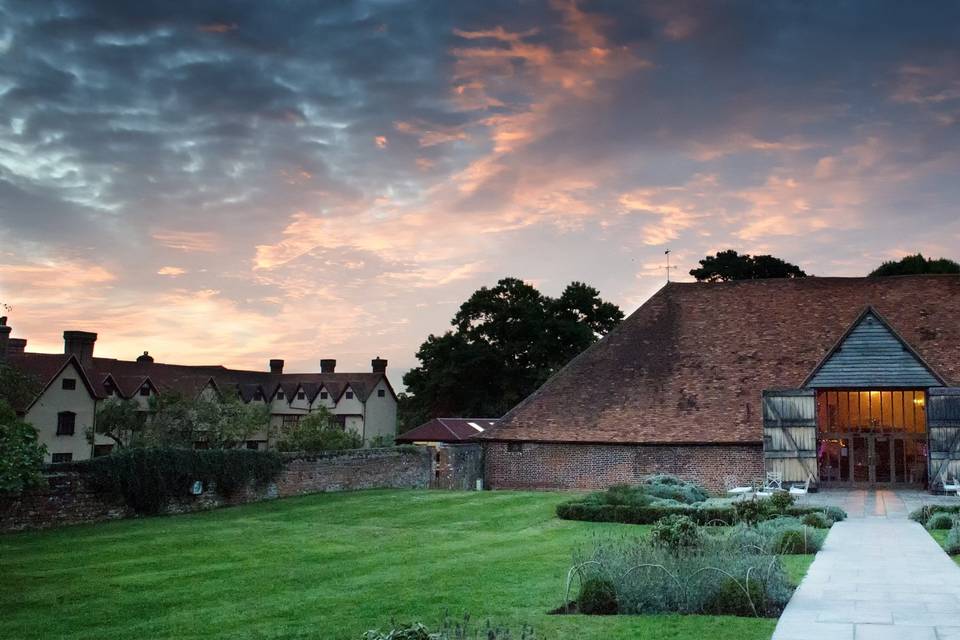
x=871 y=354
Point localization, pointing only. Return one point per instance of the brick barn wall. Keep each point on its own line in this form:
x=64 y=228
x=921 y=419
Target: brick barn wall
x=69 y=500
x=596 y=466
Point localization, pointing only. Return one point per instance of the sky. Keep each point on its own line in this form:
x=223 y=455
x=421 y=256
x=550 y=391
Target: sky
x=229 y=182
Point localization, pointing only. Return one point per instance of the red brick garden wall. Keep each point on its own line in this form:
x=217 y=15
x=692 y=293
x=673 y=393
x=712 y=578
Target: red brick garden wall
x=69 y=500
x=596 y=466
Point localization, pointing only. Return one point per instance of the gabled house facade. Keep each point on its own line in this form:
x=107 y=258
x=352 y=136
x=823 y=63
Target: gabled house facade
x=846 y=381
x=76 y=382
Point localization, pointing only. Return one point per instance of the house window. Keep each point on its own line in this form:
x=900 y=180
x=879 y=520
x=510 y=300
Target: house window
x=324 y=395
x=69 y=384
x=515 y=447
x=66 y=423
x=349 y=395
x=258 y=396
x=291 y=420
x=341 y=421
x=253 y=445
x=301 y=395
x=280 y=394
x=381 y=393
x=62 y=457
x=145 y=390
x=102 y=450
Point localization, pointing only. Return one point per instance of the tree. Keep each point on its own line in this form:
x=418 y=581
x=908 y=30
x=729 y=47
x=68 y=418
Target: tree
x=318 y=431
x=21 y=453
x=730 y=265
x=506 y=341
x=917 y=264
x=177 y=421
x=17 y=389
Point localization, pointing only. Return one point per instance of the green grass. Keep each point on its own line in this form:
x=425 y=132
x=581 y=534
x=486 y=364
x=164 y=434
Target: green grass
x=940 y=535
x=326 y=566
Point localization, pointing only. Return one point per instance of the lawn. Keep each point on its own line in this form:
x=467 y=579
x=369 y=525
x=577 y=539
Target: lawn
x=940 y=535
x=326 y=566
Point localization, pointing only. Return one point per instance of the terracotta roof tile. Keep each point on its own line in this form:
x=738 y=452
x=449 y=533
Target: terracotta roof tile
x=690 y=364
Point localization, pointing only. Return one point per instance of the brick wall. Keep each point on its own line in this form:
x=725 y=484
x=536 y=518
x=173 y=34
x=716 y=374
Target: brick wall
x=69 y=500
x=596 y=466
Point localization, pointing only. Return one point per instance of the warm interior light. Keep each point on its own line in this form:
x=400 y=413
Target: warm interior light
x=918 y=400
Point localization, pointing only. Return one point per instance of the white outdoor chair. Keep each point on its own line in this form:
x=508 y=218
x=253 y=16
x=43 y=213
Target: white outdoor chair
x=798 y=491
x=736 y=490
x=950 y=487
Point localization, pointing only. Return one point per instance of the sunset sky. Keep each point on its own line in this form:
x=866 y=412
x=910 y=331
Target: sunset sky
x=262 y=180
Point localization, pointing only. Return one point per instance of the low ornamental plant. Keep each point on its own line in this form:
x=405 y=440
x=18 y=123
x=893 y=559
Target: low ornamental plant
x=816 y=520
x=952 y=543
x=751 y=511
x=780 y=501
x=940 y=521
x=450 y=630
x=676 y=533
x=720 y=578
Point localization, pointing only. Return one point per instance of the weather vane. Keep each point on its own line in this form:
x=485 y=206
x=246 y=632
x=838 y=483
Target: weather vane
x=668 y=267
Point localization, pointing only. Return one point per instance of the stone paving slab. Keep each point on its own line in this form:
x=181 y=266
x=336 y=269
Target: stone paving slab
x=879 y=576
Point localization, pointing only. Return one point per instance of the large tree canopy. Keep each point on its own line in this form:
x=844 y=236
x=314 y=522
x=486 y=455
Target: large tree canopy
x=910 y=265
x=730 y=265
x=507 y=340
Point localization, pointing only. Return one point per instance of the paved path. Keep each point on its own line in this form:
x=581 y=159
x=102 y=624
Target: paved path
x=878 y=576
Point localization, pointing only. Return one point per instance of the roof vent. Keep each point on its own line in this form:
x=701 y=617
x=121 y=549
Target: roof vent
x=146 y=358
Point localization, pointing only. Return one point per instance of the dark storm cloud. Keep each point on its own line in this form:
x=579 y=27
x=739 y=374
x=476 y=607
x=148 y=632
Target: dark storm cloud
x=269 y=162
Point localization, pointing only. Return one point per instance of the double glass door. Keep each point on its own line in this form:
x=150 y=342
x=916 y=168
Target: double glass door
x=873 y=459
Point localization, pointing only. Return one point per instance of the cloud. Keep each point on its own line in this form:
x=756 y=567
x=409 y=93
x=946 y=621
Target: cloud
x=171 y=271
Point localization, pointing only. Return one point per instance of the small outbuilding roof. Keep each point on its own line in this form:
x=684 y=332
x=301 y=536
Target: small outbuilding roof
x=690 y=364
x=449 y=430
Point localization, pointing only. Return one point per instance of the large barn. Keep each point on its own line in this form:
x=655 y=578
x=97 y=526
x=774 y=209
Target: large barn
x=847 y=381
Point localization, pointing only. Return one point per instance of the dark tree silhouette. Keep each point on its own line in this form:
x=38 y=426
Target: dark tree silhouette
x=506 y=341
x=730 y=265
x=917 y=264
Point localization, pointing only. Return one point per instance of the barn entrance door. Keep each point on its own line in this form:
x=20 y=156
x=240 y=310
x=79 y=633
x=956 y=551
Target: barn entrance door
x=944 y=422
x=790 y=434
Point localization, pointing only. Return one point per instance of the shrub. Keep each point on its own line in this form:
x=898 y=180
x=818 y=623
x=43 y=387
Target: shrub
x=21 y=454
x=735 y=598
x=836 y=514
x=148 y=478
x=925 y=512
x=747 y=539
x=940 y=521
x=796 y=541
x=673 y=488
x=816 y=520
x=317 y=432
x=382 y=441
x=952 y=543
x=597 y=597
x=648 y=578
x=750 y=511
x=780 y=501
x=676 y=533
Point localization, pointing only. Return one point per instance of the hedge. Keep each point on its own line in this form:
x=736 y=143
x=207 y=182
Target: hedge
x=923 y=514
x=701 y=514
x=148 y=478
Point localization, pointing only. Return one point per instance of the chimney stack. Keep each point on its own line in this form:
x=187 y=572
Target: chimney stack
x=379 y=365
x=276 y=366
x=146 y=358
x=5 y=330
x=16 y=346
x=80 y=345
x=327 y=365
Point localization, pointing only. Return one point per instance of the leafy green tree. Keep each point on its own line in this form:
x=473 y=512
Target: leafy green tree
x=730 y=265
x=174 y=420
x=506 y=341
x=917 y=264
x=21 y=454
x=17 y=388
x=120 y=420
x=318 y=431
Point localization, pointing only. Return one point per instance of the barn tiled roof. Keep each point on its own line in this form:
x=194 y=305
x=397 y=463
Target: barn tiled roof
x=690 y=364
x=448 y=430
